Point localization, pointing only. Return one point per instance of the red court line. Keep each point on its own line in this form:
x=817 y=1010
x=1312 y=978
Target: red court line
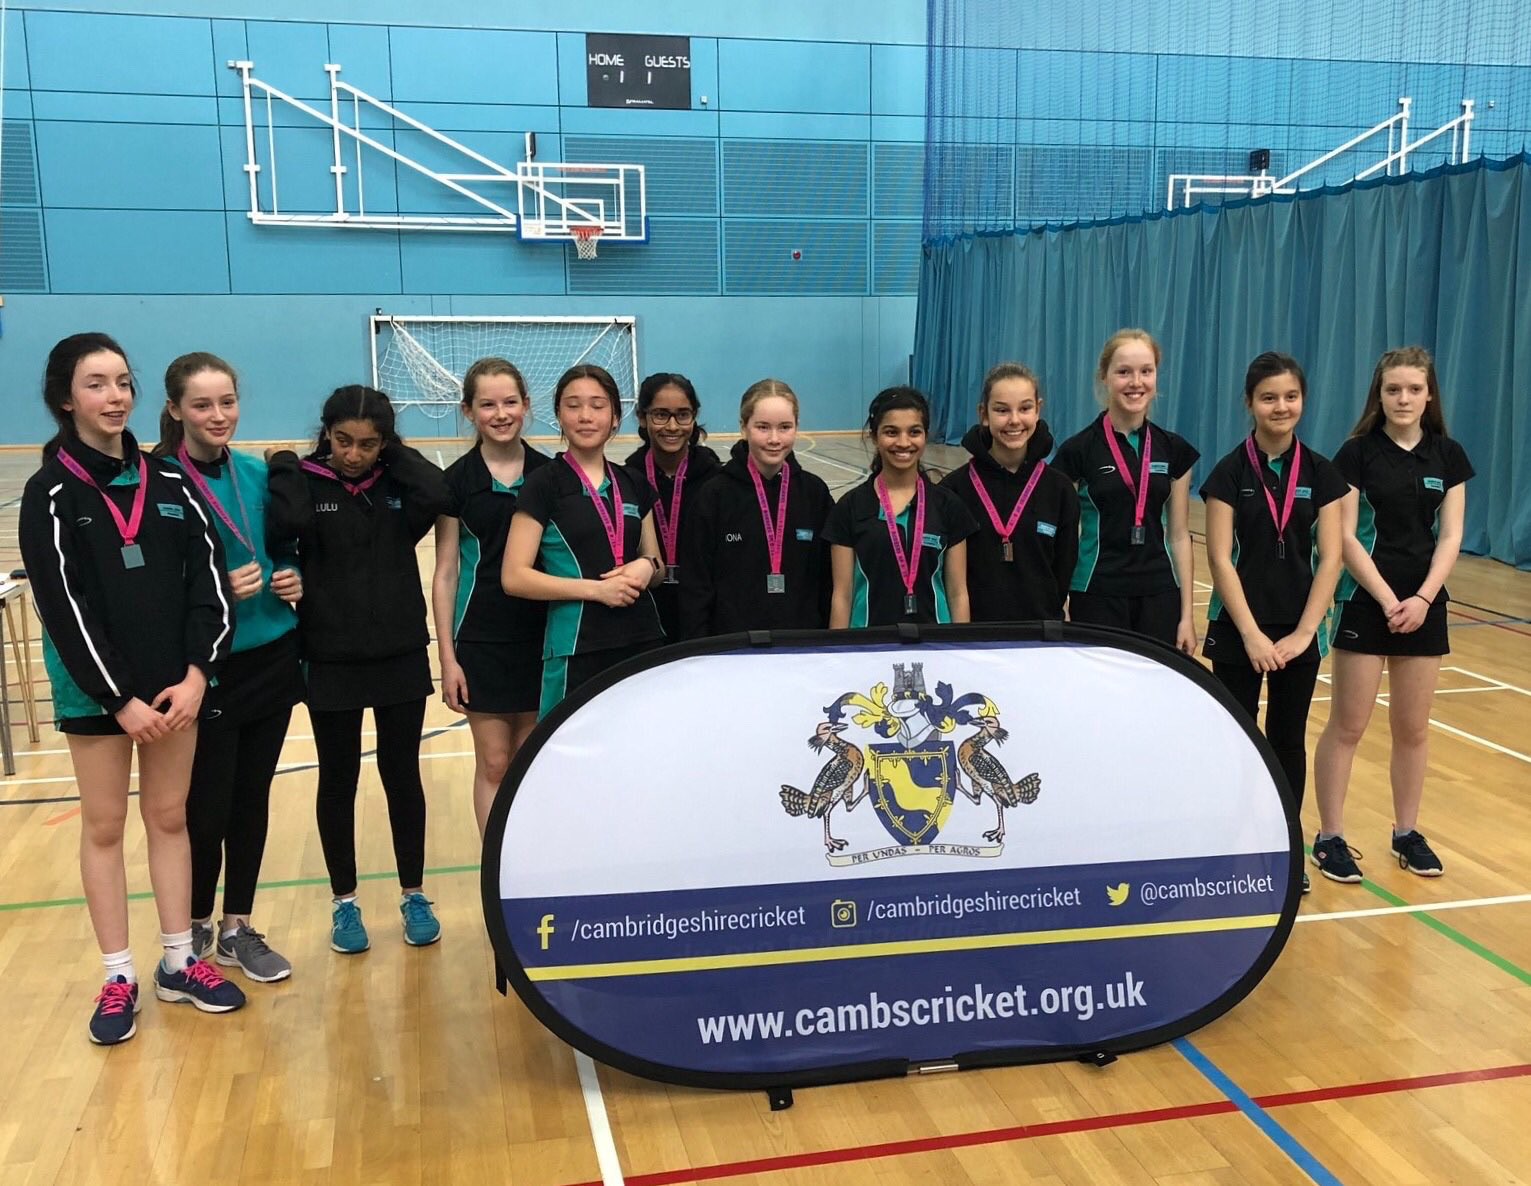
x=1026 y=1132
x=1487 y=622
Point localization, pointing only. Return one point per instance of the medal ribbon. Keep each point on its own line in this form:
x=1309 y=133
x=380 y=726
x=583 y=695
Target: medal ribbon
x=1290 y=496
x=908 y=567
x=1141 y=487
x=613 y=528
x=197 y=480
x=352 y=488
x=127 y=528
x=668 y=522
x=1007 y=529
x=775 y=539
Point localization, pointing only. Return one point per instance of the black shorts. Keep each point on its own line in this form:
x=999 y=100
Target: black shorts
x=503 y=677
x=368 y=683
x=1224 y=643
x=1361 y=626
x=257 y=683
x=1156 y=615
x=104 y=725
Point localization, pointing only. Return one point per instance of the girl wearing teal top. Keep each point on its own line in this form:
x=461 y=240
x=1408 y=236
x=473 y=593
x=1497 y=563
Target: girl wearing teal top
x=247 y=712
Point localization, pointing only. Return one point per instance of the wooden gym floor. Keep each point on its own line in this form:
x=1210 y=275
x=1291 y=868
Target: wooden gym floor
x=1391 y=1044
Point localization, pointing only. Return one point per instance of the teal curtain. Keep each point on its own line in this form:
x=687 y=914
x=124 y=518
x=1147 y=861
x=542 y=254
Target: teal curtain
x=1334 y=277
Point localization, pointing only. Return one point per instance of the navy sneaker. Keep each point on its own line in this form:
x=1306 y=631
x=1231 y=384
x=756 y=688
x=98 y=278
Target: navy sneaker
x=1416 y=856
x=1336 y=860
x=420 y=926
x=199 y=983
x=113 y=1020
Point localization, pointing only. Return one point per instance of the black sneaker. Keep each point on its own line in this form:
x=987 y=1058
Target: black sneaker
x=1416 y=856
x=1307 y=886
x=113 y=1021
x=1335 y=859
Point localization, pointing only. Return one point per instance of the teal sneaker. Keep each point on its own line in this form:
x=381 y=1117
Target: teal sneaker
x=347 y=935
x=420 y=926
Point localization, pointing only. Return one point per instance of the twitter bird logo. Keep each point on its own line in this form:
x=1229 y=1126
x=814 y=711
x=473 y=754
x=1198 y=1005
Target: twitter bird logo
x=1117 y=894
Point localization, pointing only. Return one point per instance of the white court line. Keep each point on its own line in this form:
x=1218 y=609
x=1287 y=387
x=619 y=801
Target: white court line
x=1483 y=741
x=1416 y=908
x=600 y=1123
x=1488 y=680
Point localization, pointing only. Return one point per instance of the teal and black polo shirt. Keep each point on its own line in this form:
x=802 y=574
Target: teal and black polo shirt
x=1109 y=563
x=877 y=588
x=574 y=545
x=1275 y=586
x=1398 y=519
x=483 y=506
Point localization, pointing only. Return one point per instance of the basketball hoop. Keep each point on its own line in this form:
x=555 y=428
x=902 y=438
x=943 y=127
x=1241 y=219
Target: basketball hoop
x=585 y=240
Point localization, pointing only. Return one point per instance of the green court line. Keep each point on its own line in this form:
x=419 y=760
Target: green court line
x=141 y=895
x=1445 y=929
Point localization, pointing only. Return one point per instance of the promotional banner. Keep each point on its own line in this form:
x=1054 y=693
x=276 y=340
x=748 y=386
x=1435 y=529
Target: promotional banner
x=843 y=853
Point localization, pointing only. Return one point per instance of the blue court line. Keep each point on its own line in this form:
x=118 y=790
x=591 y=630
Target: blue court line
x=1262 y=1119
x=1495 y=622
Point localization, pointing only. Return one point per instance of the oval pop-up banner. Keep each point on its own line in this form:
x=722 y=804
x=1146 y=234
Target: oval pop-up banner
x=828 y=858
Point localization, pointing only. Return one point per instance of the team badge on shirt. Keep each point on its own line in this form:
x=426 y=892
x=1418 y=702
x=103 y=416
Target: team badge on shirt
x=910 y=768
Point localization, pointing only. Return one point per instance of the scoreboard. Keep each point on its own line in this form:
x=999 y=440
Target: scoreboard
x=638 y=70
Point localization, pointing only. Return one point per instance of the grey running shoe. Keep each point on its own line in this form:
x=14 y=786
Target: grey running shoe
x=201 y=939
x=247 y=949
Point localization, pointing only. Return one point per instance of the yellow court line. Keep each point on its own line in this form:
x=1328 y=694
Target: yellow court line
x=809 y=955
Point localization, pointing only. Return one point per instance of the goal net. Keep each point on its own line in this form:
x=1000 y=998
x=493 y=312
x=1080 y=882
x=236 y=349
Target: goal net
x=420 y=360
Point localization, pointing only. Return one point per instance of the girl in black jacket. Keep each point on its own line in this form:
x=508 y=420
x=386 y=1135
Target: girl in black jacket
x=356 y=507
x=1021 y=559
x=127 y=573
x=751 y=550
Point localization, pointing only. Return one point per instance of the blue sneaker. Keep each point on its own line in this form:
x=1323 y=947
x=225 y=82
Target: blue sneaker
x=113 y=1022
x=420 y=926
x=347 y=935
x=199 y=983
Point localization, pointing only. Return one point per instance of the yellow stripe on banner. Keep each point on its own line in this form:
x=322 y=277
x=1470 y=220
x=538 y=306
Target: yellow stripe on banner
x=809 y=955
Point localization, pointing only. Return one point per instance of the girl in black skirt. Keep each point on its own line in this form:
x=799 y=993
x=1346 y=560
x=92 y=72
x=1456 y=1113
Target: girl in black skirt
x=490 y=645
x=583 y=540
x=1402 y=524
x=356 y=506
x=676 y=465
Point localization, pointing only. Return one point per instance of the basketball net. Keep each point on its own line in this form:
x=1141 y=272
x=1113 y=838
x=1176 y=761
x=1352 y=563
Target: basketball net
x=585 y=240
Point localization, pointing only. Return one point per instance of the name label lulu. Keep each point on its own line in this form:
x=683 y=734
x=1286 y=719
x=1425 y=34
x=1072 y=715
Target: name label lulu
x=940 y=827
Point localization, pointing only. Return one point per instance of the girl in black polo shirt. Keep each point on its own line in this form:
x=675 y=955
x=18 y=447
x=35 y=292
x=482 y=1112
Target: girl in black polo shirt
x=1402 y=526
x=676 y=465
x=583 y=539
x=1134 y=481
x=489 y=644
x=752 y=551
x=1021 y=558
x=1273 y=544
x=898 y=541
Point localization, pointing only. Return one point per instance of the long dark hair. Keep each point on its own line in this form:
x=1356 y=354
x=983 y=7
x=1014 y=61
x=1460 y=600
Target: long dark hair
x=355 y=402
x=652 y=386
x=894 y=399
x=171 y=431
x=58 y=380
x=1405 y=356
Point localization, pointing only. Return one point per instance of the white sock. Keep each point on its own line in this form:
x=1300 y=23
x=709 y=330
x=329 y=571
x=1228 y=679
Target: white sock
x=178 y=951
x=345 y=898
x=227 y=931
x=120 y=963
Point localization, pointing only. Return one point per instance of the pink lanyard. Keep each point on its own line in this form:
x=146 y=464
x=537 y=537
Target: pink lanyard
x=669 y=523
x=1007 y=529
x=352 y=488
x=206 y=492
x=775 y=538
x=126 y=528
x=1287 y=499
x=1140 y=489
x=908 y=566
x=613 y=528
